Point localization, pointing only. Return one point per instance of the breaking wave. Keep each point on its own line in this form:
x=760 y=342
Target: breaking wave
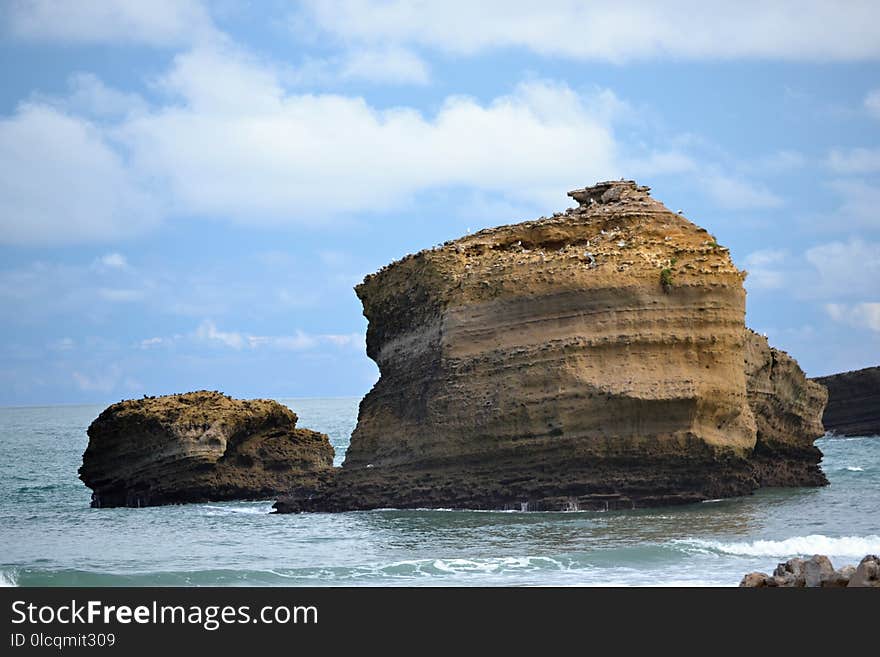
x=844 y=546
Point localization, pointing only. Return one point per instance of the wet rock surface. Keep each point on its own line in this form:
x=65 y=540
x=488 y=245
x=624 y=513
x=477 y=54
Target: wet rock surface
x=200 y=446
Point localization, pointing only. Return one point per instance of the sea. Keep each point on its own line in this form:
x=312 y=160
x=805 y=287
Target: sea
x=49 y=536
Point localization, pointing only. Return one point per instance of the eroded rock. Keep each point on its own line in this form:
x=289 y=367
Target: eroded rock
x=200 y=446
x=867 y=573
x=592 y=360
x=788 y=416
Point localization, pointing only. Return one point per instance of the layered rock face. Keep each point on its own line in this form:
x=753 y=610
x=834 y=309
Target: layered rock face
x=200 y=446
x=853 y=402
x=590 y=360
x=788 y=416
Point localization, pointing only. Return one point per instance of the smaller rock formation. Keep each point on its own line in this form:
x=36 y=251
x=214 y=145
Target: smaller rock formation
x=853 y=402
x=817 y=572
x=788 y=416
x=200 y=446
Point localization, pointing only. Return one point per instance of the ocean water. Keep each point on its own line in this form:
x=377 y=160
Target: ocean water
x=50 y=537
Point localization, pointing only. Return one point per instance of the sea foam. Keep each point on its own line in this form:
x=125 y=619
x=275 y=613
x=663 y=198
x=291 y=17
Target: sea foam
x=843 y=546
x=7 y=579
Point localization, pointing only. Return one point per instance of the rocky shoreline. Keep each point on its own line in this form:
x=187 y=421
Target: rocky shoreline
x=817 y=572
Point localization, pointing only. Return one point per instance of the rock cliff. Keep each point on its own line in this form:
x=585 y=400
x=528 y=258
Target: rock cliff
x=853 y=402
x=591 y=360
x=788 y=416
x=200 y=446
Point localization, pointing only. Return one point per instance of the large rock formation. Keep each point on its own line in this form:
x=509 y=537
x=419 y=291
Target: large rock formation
x=853 y=402
x=788 y=416
x=590 y=360
x=200 y=446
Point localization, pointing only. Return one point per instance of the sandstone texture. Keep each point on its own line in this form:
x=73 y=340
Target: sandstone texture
x=592 y=360
x=817 y=572
x=788 y=416
x=853 y=402
x=200 y=446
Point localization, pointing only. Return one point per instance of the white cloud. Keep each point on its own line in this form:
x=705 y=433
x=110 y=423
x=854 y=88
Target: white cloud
x=855 y=160
x=835 y=272
x=763 y=267
x=842 y=269
x=766 y=257
x=738 y=194
x=389 y=65
x=105 y=381
x=872 y=103
x=208 y=331
x=288 y=157
x=123 y=22
x=299 y=341
x=617 y=30
x=64 y=344
x=307 y=158
x=120 y=295
x=780 y=162
x=61 y=181
x=859 y=315
x=860 y=203
x=89 y=95
x=110 y=261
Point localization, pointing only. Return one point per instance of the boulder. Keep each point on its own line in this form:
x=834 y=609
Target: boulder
x=867 y=573
x=200 y=446
x=818 y=570
x=755 y=580
x=790 y=573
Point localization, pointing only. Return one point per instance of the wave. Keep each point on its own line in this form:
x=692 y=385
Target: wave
x=854 y=468
x=843 y=546
x=258 y=509
x=449 y=570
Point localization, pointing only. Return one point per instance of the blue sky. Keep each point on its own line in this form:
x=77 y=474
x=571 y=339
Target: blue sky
x=190 y=190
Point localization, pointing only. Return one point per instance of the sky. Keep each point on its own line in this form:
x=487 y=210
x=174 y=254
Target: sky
x=189 y=190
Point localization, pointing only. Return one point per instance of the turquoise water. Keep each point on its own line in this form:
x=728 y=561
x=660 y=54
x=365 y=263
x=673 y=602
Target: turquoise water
x=50 y=536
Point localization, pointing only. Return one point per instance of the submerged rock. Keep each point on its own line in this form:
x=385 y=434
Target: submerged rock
x=817 y=572
x=594 y=360
x=200 y=446
x=853 y=402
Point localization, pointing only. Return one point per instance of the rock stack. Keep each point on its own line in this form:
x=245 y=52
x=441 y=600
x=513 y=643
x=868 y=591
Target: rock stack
x=596 y=359
x=200 y=446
